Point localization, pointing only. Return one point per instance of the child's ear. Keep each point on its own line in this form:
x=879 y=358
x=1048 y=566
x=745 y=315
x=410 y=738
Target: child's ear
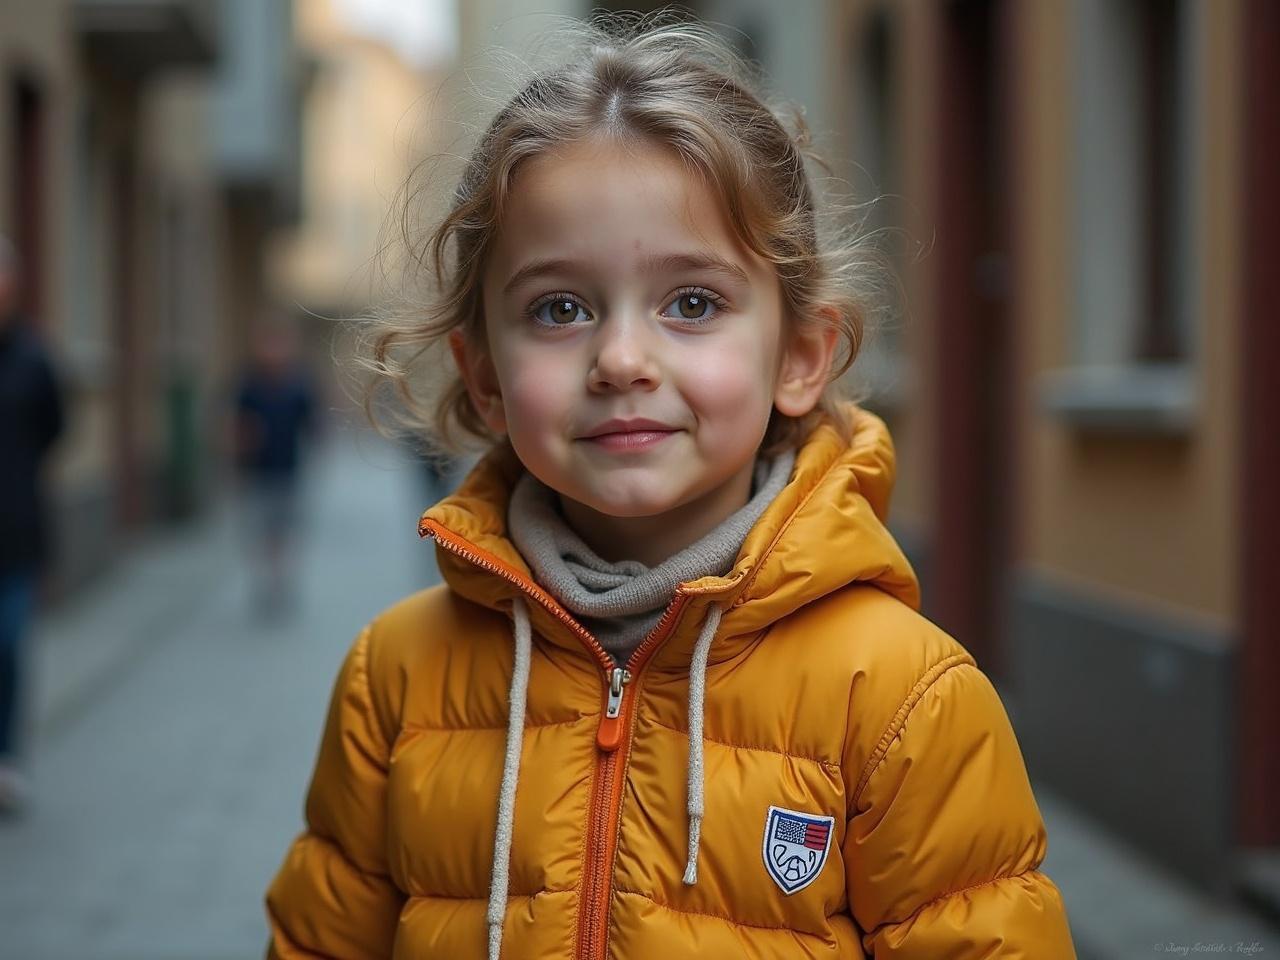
x=806 y=364
x=481 y=380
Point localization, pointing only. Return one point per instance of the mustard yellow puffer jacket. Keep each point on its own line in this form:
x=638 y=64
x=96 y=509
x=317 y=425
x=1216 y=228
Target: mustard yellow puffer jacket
x=852 y=786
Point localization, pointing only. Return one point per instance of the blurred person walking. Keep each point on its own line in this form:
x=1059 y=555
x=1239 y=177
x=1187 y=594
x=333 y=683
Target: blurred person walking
x=275 y=416
x=31 y=418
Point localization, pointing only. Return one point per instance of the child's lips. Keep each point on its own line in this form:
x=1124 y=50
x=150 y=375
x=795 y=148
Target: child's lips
x=629 y=440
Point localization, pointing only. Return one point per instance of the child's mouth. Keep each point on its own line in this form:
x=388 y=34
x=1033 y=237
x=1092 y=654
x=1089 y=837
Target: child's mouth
x=629 y=440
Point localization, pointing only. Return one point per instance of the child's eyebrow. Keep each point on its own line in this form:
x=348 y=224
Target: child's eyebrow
x=654 y=263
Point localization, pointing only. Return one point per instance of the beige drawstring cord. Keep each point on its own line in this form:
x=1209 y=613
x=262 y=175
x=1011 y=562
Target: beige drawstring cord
x=697 y=697
x=510 y=774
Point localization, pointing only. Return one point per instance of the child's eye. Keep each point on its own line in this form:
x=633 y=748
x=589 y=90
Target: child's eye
x=563 y=311
x=693 y=303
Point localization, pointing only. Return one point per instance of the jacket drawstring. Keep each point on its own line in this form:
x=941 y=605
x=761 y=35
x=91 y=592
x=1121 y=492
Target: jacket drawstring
x=510 y=774
x=697 y=695
x=515 y=738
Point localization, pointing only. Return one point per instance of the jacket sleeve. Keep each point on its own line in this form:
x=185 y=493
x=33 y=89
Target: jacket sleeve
x=333 y=897
x=945 y=839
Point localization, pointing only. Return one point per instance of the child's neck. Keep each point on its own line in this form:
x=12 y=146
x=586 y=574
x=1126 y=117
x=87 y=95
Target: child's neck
x=653 y=539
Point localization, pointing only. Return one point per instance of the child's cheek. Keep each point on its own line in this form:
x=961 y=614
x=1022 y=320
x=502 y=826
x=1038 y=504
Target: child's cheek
x=728 y=386
x=540 y=391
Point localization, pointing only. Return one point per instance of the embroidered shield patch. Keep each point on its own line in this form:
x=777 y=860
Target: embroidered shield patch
x=795 y=847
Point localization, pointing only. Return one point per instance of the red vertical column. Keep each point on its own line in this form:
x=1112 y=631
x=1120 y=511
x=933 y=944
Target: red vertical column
x=973 y=358
x=1259 y=728
x=28 y=192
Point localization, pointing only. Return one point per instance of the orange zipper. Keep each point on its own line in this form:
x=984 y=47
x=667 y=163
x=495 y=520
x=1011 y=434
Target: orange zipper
x=614 y=742
x=613 y=734
x=483 y=558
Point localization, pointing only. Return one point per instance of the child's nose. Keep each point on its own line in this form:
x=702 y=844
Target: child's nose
x=624 y=356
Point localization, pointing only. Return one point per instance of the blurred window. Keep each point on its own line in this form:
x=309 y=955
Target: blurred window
x=875 y=133
x=1137 y=280
x=1134 y=137
x=87 y=335
x=878 y=181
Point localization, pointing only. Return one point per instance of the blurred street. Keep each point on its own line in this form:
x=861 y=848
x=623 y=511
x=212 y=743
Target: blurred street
x=176 y=732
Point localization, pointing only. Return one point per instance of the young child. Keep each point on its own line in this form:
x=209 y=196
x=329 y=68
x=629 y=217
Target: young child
x=674 y=698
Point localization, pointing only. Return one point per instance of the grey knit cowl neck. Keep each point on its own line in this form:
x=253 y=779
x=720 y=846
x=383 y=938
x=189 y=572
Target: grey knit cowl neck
x=621 y=602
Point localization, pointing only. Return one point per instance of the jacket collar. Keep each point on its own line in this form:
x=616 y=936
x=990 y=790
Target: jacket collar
x=824 y=530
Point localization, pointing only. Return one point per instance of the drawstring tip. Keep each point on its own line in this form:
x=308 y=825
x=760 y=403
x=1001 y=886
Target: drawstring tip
x=691 y=873
x=695 y=830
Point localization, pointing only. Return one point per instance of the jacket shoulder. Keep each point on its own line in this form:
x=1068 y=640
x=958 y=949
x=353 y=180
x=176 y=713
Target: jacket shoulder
x=901 y=645
x=876 y=639
x=411 y=619
x=423 y=649
x=887 y=653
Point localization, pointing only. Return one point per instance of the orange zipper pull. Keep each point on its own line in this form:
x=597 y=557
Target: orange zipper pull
x=609 y=736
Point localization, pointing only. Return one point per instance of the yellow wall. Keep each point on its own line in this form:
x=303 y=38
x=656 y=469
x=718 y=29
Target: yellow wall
x=1149 y=519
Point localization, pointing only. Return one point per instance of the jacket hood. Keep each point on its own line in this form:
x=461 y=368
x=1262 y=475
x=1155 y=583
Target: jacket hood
x=824 y=530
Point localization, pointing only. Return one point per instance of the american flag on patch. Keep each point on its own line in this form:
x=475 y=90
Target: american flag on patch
x=815 y=835
x=811 y=835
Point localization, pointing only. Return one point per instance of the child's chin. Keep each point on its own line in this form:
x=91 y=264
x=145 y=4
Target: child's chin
x=630 y=507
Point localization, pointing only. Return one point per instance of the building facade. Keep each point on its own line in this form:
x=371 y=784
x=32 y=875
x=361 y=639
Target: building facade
x=134 y=195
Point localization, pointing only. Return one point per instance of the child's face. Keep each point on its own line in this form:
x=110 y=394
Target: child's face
x=611 y=335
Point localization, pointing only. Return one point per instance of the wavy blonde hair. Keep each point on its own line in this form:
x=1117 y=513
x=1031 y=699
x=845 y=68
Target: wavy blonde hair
x=628 y=77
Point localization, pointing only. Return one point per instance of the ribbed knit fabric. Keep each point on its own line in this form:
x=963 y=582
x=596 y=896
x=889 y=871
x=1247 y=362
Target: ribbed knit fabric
x=621 y=602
